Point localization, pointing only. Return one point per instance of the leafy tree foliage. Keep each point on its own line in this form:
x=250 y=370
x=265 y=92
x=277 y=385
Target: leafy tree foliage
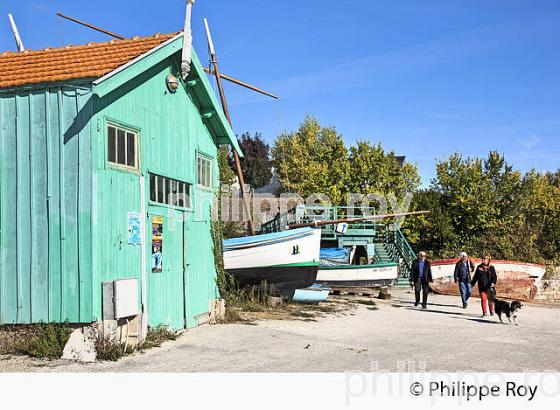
x=314 y=159
x=484 y=206
x=372 y=170
x=311 y=160
x=256 y=164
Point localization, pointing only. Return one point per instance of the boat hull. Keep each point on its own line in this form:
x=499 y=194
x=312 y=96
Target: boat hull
x=516 y=280
x=281 y=278
x=359 y=276
x=285 y=260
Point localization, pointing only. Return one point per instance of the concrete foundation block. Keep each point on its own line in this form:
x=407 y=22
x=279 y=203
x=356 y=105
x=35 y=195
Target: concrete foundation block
x=217 y=309
x=384 y=293
x=81 y=345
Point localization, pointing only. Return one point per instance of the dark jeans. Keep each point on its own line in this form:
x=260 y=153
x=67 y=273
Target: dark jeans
x=466 y=290
x=423 y=286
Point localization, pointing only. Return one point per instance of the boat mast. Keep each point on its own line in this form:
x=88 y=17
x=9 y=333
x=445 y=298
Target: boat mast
x=214 y=62
x=19 y=43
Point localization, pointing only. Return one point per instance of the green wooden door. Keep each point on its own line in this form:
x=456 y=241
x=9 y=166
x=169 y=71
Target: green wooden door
x=166 y=270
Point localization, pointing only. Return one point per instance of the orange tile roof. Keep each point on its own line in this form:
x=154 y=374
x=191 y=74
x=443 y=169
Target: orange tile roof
x=91 y=60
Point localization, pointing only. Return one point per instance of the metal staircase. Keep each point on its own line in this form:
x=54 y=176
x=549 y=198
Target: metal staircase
x=391 y=246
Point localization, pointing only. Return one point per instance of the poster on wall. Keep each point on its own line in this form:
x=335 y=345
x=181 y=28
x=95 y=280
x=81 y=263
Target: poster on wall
x=134 y=228
x=157 y=244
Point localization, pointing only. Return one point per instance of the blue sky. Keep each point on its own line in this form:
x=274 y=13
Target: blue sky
x=425 y=78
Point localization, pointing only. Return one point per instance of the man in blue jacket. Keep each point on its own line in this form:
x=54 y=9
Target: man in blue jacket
x=462 y=276
x=421 y=278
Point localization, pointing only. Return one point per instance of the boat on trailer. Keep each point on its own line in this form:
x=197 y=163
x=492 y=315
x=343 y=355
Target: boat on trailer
x=286 y=260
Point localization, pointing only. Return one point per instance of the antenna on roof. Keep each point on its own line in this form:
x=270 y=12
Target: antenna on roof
x=19 y=43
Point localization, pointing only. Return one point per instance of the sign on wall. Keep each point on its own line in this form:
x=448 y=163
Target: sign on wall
x=134 y=228
x=157 y=244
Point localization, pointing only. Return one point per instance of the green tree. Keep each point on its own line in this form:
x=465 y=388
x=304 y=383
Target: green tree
x=375 y=171
x=538 y=238
x=485 y=206
x=256 y=163
x=433 y=232
x=311 y=160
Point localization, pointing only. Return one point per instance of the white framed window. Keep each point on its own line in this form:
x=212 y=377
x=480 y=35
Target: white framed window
x=205 y=172
x=122 y=147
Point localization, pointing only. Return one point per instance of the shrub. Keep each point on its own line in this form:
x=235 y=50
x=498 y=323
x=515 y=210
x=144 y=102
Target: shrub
x=109 y=349
x=37 y=340
x=156 y=336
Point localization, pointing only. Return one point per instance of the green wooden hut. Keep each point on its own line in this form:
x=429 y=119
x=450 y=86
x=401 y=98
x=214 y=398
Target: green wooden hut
x=93 y=140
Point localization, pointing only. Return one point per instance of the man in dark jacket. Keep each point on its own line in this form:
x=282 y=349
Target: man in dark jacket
x=462 y=276
x=421 y=278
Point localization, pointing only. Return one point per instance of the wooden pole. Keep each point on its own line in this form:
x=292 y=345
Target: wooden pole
x=207 y=70
x=241 y=83
x=238 y=169
x=365 y=218
x=83 y=23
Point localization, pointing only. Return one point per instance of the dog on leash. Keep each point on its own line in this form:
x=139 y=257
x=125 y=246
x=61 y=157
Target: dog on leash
x=509 y=309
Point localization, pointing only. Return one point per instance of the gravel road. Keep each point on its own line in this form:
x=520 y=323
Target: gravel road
x=393 y=336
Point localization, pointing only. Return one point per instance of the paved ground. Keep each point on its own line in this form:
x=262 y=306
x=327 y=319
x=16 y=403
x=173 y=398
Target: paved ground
x=444 y=337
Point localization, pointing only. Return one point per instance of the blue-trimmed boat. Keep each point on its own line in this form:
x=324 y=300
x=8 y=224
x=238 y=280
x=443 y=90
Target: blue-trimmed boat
x=286 y=260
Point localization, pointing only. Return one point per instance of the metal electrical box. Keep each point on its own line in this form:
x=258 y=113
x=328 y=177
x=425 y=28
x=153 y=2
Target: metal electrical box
x=126 y=297
x=120 y=299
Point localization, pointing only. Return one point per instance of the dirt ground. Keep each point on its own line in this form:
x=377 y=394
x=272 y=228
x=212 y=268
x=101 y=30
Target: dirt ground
x=349 y=334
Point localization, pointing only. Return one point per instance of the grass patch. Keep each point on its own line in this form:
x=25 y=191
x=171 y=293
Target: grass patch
x=156 y=336
x=38 y=340
x=109 y=349
x=253 y=300
x=372 y=308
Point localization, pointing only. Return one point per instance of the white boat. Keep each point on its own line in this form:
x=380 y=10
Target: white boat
x=363 y=276
x=337 y=269
x=287 y=260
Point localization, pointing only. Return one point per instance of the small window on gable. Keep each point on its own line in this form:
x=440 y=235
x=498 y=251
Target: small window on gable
x=204 y=172
x=122 y=147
